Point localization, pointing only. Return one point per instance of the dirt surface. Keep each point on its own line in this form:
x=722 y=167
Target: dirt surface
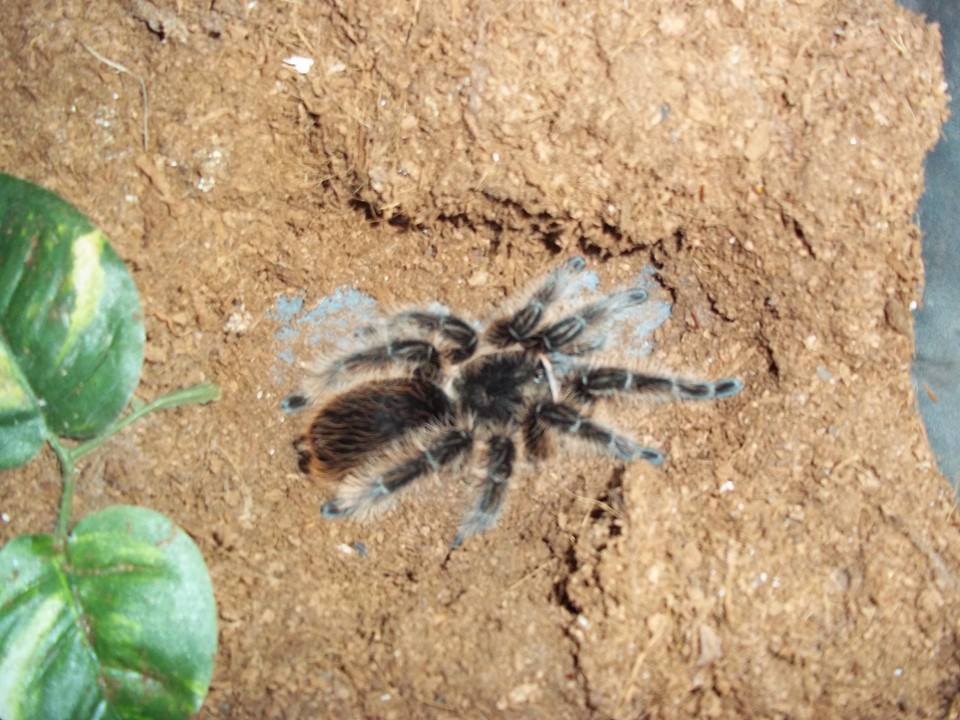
x=797 y=556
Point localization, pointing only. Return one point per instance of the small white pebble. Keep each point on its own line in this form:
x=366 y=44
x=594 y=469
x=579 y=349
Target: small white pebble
x=4 y=517
x=583 y=622
x=299 y=63
x=479 y=278
x=524 y=693
x=854 y=141
x=495 y=157
x=238 y=322
x=259 y=394
x=913 y=304
x=385 y=697
x=345 y=549
x=727 y=486
x=897 y=672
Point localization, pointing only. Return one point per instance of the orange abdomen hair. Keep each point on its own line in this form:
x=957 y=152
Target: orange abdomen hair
x=361 y=421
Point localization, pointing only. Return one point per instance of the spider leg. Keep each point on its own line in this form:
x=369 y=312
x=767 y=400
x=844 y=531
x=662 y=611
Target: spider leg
x=559 y=336
x=483 y=515
x=420 y=354
x=590 y=383
x=450 y=327
x=294 y=403
x=403 y=351
x=363 y=497
x=566 y=419
x=519 y=326
x=535 y=435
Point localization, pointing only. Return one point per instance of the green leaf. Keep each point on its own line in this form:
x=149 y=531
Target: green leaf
x=71 y=329
x=119 y=624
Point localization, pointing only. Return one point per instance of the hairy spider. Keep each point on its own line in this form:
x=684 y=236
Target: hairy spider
x=456 y=389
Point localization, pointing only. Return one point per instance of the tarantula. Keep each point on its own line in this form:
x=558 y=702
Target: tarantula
x=516 y=382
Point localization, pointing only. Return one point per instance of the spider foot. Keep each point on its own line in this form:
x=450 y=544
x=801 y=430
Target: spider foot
x=623 y=448
x=728 y=387
x=293 y=403
x=332 y=511
x=652 y=456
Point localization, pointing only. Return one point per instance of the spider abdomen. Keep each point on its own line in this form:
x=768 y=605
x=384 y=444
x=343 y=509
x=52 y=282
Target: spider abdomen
x=364 y=419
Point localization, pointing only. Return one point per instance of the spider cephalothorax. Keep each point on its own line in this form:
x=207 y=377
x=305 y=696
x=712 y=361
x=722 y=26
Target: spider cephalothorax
x=457 y=392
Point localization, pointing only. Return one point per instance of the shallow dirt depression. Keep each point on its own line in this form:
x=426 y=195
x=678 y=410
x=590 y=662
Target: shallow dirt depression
x=798 y=554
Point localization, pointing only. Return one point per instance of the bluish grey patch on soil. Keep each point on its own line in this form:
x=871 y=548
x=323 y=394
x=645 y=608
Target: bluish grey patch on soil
x=648 y=316
x=329 y=325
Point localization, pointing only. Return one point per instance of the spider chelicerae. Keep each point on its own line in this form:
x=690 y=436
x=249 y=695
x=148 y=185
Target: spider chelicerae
x=431 y=392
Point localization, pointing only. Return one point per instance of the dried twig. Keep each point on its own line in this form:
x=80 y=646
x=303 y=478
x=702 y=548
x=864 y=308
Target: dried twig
x=143 y=87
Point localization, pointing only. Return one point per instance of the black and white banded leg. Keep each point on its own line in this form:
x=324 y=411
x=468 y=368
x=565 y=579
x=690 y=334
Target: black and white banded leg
x=454 y=330
x=361 y=496
x=590 y=383
x=564 y=418
x=561 y=335
x=421 y=355
x=501 y=453
x=520 y=326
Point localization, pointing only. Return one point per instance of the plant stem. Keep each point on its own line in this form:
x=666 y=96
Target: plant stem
x=69 y=475
x=202 y=393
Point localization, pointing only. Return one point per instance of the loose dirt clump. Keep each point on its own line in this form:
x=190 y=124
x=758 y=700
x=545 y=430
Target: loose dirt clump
x=797 y=556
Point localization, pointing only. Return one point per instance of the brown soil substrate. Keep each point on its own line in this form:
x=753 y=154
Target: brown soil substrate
x=797 y=556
